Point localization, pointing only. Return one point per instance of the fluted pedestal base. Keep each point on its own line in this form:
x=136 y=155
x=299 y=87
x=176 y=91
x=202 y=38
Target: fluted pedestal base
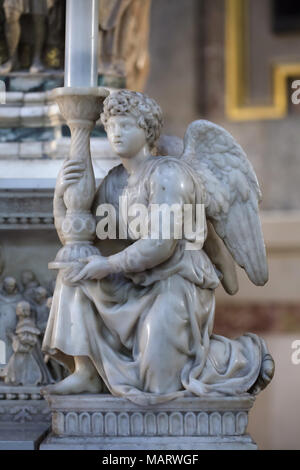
x=109 y=423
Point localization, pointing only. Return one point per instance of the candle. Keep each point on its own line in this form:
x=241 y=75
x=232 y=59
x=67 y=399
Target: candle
x=81 y=47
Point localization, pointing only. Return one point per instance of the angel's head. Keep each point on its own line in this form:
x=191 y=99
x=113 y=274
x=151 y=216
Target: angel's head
x=132 y=120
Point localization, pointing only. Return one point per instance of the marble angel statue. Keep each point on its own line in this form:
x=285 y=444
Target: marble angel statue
x=137 y=319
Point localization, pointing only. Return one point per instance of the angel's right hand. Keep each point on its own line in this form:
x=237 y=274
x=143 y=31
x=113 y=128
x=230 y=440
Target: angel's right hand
x=70 y=173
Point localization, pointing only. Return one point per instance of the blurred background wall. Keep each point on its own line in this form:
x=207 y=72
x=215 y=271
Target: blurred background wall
x=233 y=62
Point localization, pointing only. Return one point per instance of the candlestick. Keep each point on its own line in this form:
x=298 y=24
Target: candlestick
x=81 y=46
x=81 y=108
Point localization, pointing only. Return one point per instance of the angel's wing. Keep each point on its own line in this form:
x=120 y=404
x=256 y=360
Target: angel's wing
x=232 y=194
x=222 y=259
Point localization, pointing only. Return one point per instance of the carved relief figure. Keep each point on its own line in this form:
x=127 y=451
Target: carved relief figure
x=9 y=297
x=39 y=304
x=14 y=9
x=37 y=297
x=29 y=284
x=141 y=319
x=25 y=366
x=123 y=35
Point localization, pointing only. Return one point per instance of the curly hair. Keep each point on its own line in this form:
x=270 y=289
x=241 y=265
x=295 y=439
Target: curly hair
x=146 y=111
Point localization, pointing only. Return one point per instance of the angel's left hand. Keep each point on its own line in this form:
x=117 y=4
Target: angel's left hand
x=93 y=267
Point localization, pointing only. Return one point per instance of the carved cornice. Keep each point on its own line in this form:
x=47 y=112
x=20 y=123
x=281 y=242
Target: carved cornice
x=23 y=404
x=26 y=209
x=104 y=415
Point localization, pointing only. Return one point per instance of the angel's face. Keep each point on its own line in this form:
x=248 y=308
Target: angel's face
x=126 y=137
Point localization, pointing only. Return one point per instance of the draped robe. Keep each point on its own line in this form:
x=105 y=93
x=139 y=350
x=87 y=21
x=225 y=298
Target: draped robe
x=148 y=328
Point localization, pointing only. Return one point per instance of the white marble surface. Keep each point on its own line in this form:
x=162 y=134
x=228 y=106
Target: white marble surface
x=106 y=422
x=155 y=312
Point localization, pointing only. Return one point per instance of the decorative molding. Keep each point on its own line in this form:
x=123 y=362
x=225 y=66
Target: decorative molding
x=26 y=209
x=17 y=222
x=110 y=422
x=236 y=89
x=10 y=392
x=23 y=414
x=150 y=423
x=105 y=415
x=23 y=404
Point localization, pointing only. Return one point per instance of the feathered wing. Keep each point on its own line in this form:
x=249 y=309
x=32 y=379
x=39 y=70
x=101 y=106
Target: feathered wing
x=232 y=194
x=222 y=259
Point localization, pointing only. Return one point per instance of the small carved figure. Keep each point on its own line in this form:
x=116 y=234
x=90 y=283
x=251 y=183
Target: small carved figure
x=14 y=9
x=24 y=367
x=141 y=318
x=40 y=306
x=124 y=31
x=29 y=284
x=9 y=297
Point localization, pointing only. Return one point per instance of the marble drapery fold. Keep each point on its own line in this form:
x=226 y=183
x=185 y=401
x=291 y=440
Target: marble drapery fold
x=148 y=331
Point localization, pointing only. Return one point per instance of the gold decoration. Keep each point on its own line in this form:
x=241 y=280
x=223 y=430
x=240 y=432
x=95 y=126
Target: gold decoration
x=53 y=57
x=236 y=79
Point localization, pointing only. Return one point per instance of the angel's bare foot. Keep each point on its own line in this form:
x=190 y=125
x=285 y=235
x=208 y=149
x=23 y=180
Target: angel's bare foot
x=74 y=384
x=85 y=379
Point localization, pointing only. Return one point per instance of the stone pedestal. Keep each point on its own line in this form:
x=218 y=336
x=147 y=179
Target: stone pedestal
x=22 y=437
x=109 y=423
x=24 y=417
x=23 y=404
